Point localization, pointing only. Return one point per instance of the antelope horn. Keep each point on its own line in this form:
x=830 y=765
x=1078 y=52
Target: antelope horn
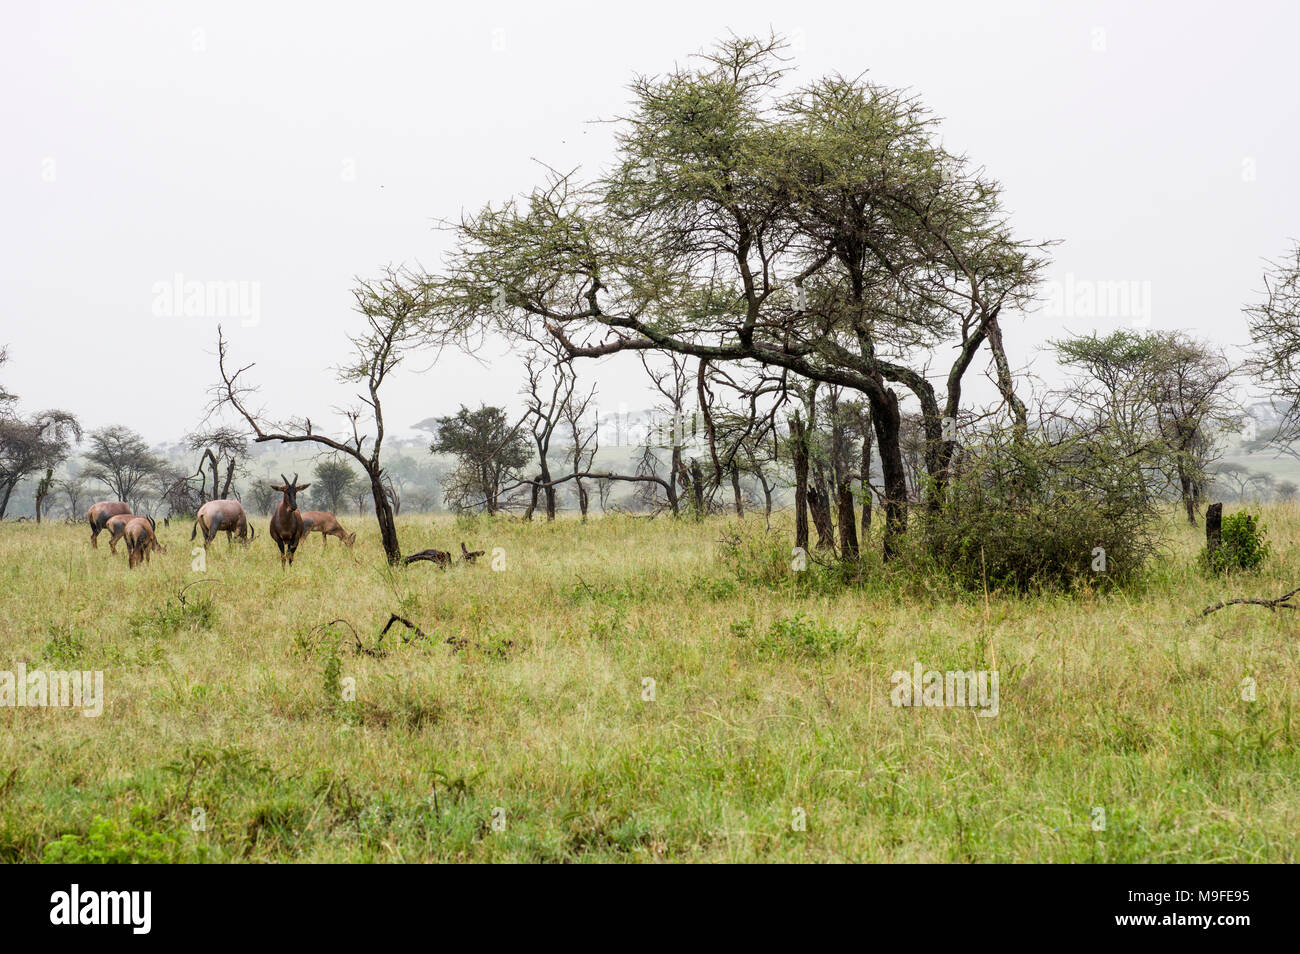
x=284 y=479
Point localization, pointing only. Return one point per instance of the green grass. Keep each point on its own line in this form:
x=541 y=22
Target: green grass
x=520 y=730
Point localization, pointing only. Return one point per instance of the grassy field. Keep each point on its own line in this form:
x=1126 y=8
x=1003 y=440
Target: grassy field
x=524 y=728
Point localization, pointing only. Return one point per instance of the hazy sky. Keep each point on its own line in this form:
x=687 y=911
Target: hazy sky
x=289 y=147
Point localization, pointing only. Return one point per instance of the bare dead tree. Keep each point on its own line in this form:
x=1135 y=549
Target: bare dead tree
x=550 y=384
x=220 y=449
x=583 y=442
x=391 y=305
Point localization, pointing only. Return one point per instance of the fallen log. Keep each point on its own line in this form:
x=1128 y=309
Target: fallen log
x=1282 y=602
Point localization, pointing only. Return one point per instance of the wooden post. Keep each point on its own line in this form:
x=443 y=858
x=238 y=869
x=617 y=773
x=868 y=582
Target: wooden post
x=1213 y=530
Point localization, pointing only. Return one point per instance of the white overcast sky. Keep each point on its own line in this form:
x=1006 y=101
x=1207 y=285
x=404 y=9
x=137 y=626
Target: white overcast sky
x=293 y=146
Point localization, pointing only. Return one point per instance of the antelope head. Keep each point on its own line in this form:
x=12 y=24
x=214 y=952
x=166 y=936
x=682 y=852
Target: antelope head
x=290 y=490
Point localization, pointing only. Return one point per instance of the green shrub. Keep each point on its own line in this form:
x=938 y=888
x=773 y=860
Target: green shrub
x=108 y=842
x=799 y=636
x=1244 y=546
x=1047 y=509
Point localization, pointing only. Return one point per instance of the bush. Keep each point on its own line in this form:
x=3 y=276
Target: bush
x=1244 y=546
x=1048 y=509
x=108 y=842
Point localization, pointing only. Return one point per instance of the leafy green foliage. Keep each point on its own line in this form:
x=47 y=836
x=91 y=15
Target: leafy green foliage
x=108 y=842
x=1245 y=544
x=1043 y=510
x=797 y=636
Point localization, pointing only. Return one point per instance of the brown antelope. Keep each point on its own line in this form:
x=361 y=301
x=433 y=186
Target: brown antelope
x=218 y=515
x=327 y=525
x=98 y=516
x=141 y=541
x=115 y=526
x=286 y=523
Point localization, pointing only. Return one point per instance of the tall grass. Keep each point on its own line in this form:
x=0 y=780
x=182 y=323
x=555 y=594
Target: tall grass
x=637 y=690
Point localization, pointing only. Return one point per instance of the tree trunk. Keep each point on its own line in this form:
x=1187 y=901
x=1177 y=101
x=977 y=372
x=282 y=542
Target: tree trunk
x=799 y=451
x=735 y=491
x=1189 y=496
x=848 y=524
x=866 y=477
x=384 y=513
x=697 y=488
x=845 y=519
x=887 y=421
x=548 y=491
x=1004 y=381
x=819 y=505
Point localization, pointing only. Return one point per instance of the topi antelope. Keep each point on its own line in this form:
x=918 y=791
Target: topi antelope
x=99 y=514
x=141 y=541
x=286 y=523
x=218 y=515
x=327 y=525
x=115 y=527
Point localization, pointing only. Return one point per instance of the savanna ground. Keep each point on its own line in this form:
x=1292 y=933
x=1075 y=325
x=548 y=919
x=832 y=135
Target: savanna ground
x=770 y=703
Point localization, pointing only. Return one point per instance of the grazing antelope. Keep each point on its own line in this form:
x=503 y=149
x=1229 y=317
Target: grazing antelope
x=98 y=516
x=327 y=525
x=141 y=541
x=218 y=515
x=115 y=526
x=286 y=523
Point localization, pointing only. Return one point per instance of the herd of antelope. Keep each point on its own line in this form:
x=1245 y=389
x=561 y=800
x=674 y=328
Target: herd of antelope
x=289 y=525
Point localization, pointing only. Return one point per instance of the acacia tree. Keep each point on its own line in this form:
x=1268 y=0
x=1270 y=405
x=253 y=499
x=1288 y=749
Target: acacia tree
x=391 y=306
x=120 y=459
x=548 y=389
x=1274 y=323
x=824 y=232
x=332 y=481
x=74 y=488
x=488 y=449
x=30 y=445
x=1162 y=393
